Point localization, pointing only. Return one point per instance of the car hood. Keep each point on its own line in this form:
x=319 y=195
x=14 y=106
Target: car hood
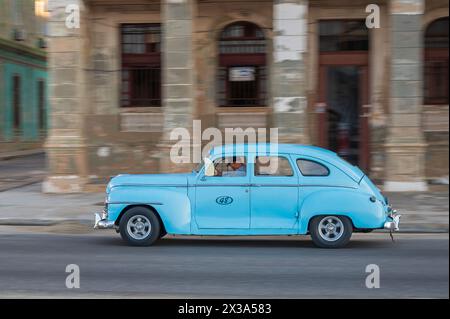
x=149 y=180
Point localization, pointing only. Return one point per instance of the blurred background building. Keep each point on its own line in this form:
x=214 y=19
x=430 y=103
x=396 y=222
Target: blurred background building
x=135 y=70
x=23 y=75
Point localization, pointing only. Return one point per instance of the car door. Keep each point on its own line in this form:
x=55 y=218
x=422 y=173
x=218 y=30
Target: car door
x=223 y=200
x=274 y=193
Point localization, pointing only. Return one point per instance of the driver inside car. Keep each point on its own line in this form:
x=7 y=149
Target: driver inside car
x=235 y=169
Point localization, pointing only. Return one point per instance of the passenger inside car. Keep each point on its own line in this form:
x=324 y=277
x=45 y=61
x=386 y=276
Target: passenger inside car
x=234 y=168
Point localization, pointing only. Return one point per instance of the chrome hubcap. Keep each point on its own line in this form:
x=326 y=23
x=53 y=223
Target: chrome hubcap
x=139 y=227
x=331 y=228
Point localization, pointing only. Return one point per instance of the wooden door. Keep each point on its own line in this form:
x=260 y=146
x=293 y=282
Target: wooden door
x=343 y=105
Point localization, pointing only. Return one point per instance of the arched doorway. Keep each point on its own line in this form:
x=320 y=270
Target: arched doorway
x=343 y=89
x=242 y=70
x=436 y=62
x=435 y=97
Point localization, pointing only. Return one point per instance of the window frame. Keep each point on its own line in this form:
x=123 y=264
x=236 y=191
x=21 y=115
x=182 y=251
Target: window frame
x=313 y=161
x=150 y=61
x=343 y=26
x=279 y=156
x=42 y=110
x=16 y=103
x=256 y=60
x=435 y=55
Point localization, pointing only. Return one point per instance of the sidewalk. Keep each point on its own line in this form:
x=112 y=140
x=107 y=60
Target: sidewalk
x=29 y=206
x=422 y=212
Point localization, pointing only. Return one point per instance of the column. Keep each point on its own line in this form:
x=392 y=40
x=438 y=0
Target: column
x=289 y=69
x=178 y=75
x=405 y=144
x=67 y=56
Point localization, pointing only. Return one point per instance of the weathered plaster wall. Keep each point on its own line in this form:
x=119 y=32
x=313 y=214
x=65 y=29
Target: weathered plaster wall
x=25 y=59
x=405 y=143
x=114 y=146
x=211 y=18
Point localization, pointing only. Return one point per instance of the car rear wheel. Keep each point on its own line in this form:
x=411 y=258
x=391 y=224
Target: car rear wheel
x=331 y=231
x=139 y=226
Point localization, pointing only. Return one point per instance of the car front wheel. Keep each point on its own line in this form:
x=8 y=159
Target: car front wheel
x=331 y=231
x=139 y=226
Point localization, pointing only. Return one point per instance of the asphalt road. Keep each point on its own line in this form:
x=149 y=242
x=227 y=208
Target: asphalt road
x=33 y=265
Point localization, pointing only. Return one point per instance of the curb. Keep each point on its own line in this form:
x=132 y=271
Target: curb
x=416 y=231
x=43 y=222
x=11 y=155
x=30 y=181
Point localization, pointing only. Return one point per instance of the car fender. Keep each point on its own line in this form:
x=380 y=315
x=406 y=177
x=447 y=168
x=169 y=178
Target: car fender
x=356 y=205
x=171 y=203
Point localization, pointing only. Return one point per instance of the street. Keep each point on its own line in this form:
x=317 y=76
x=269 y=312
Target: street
x=33 y=264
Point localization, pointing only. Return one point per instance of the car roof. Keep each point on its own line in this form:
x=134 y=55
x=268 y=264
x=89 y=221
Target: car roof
x=271 y=148
x=298 y=149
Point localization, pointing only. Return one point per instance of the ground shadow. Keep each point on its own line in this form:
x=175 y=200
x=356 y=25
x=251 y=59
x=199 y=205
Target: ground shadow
x=283 y=242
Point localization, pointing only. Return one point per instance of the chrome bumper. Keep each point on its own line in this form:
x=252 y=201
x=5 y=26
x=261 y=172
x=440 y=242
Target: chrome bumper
x=394 y=222
x=100 y=222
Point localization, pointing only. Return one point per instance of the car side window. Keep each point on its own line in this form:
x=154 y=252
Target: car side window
x=312 y=168
x=273 y=166
x=230 y=166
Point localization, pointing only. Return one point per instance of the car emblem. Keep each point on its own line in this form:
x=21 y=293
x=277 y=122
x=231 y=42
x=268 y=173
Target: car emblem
x=224 y=200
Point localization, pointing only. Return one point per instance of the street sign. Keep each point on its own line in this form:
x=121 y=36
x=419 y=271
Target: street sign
x=242 y=74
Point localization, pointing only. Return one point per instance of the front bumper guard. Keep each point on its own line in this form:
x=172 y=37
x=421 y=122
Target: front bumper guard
x=100 y=222
x=394 y=222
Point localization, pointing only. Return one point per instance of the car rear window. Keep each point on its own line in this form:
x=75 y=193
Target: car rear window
x=312 y=168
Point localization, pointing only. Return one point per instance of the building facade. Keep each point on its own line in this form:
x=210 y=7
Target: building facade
x=134 y=71
x=23 y=75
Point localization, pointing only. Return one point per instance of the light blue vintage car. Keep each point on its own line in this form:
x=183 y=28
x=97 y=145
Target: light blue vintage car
x=248 y=189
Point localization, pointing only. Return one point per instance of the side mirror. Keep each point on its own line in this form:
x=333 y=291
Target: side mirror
x=209 y=167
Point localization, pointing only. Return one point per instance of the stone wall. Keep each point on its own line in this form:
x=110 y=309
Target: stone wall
x=66 y=147
x=289 y=76
x=118 y=139
x=405 y=145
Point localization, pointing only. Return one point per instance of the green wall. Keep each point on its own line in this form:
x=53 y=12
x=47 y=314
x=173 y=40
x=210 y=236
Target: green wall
x=31 y=68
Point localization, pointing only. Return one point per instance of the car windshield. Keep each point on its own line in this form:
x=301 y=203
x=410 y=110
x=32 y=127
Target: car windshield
x=199 y=167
